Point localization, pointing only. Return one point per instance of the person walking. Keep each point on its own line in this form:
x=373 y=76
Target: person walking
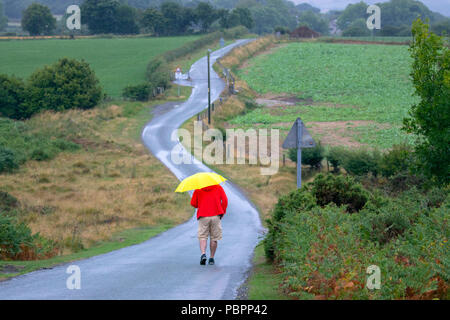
x=211 y=203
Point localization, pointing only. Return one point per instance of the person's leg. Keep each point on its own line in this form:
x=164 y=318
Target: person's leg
x=203 y=238
x=216 y=234
x=203 y=244
x=213 y=247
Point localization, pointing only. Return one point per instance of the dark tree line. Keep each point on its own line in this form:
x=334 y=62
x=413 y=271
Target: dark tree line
x=109 y=16
x=396 y=18
x=117 y=17
x=171 y=17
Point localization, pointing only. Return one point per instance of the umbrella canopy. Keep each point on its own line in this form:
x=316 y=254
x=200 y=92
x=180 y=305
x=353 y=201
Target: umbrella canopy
x=199 y=181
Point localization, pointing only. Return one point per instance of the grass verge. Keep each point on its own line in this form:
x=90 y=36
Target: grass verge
x=264 y=281
x=120 y=240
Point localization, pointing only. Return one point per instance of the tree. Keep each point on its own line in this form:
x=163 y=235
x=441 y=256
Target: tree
x=173 y=14
x=126 y=20
x=153 y=21
x=206 y=15
x=223 y=15
x=272 y=14
x=352 y=13
x=313 y=21
x=3 y=19
x=100 y=15
x=302 y=7
x=245 y=17
x=67 y=84
x=37 y=19
x=236 y=17
x=189 y=18
x=404 y=12
x=357 y=29
x=442 y=28
x=14 y=8
x=429 y=119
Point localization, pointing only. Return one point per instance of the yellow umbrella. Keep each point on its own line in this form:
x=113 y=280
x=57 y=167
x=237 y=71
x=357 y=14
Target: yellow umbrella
x=199 y=181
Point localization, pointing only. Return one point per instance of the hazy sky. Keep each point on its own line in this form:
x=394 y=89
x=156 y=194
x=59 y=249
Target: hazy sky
x=441 y=6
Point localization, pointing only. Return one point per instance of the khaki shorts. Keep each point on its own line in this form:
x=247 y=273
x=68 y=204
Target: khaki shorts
x=210 y=226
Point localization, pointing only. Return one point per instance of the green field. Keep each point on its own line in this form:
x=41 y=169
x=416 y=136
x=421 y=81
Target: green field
x=371 y=39
x=335 y=83
x=117 y=62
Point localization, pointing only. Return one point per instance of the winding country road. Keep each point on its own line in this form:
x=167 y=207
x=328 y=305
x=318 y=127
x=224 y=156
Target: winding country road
x=166 y=266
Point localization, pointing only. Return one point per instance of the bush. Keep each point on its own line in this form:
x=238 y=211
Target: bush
x=361 y=162
x=397 y=160
x=42 y=154
x=7 y=202
x=282 y=30
x=335 y=155
x=65 y=145
x=323 y=252
x=387 y=223
x=403 y=181
x=18 y=243
x=140 y=92
x=12 y=98
x=310 y=156
x=313 y=156
x=341 y=190
x=8 y=160
x=436 y=197
x=297 y=200
x=13 y=236
x=67 y=84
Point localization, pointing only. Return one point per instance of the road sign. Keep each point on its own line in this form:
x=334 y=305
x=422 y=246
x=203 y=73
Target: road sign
x=292 y=139
x=299 y=138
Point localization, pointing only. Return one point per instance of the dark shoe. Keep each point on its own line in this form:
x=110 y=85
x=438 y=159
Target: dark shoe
x=203 y=259
x=211 y=261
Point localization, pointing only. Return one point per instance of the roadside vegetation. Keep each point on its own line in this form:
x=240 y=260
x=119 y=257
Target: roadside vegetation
x=382 y=203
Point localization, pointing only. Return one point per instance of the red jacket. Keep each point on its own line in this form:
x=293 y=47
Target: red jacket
x=210 y=201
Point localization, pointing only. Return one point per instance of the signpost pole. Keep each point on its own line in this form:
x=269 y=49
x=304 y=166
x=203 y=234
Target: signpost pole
x=209 y=91
x=298 y=137
x=299 y=153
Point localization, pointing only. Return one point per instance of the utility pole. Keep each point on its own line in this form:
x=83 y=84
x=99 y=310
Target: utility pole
x=209 y=89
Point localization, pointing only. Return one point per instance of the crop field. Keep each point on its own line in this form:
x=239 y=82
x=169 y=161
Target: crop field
x=373 y=39
x=117 y=62
x=347 y=94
